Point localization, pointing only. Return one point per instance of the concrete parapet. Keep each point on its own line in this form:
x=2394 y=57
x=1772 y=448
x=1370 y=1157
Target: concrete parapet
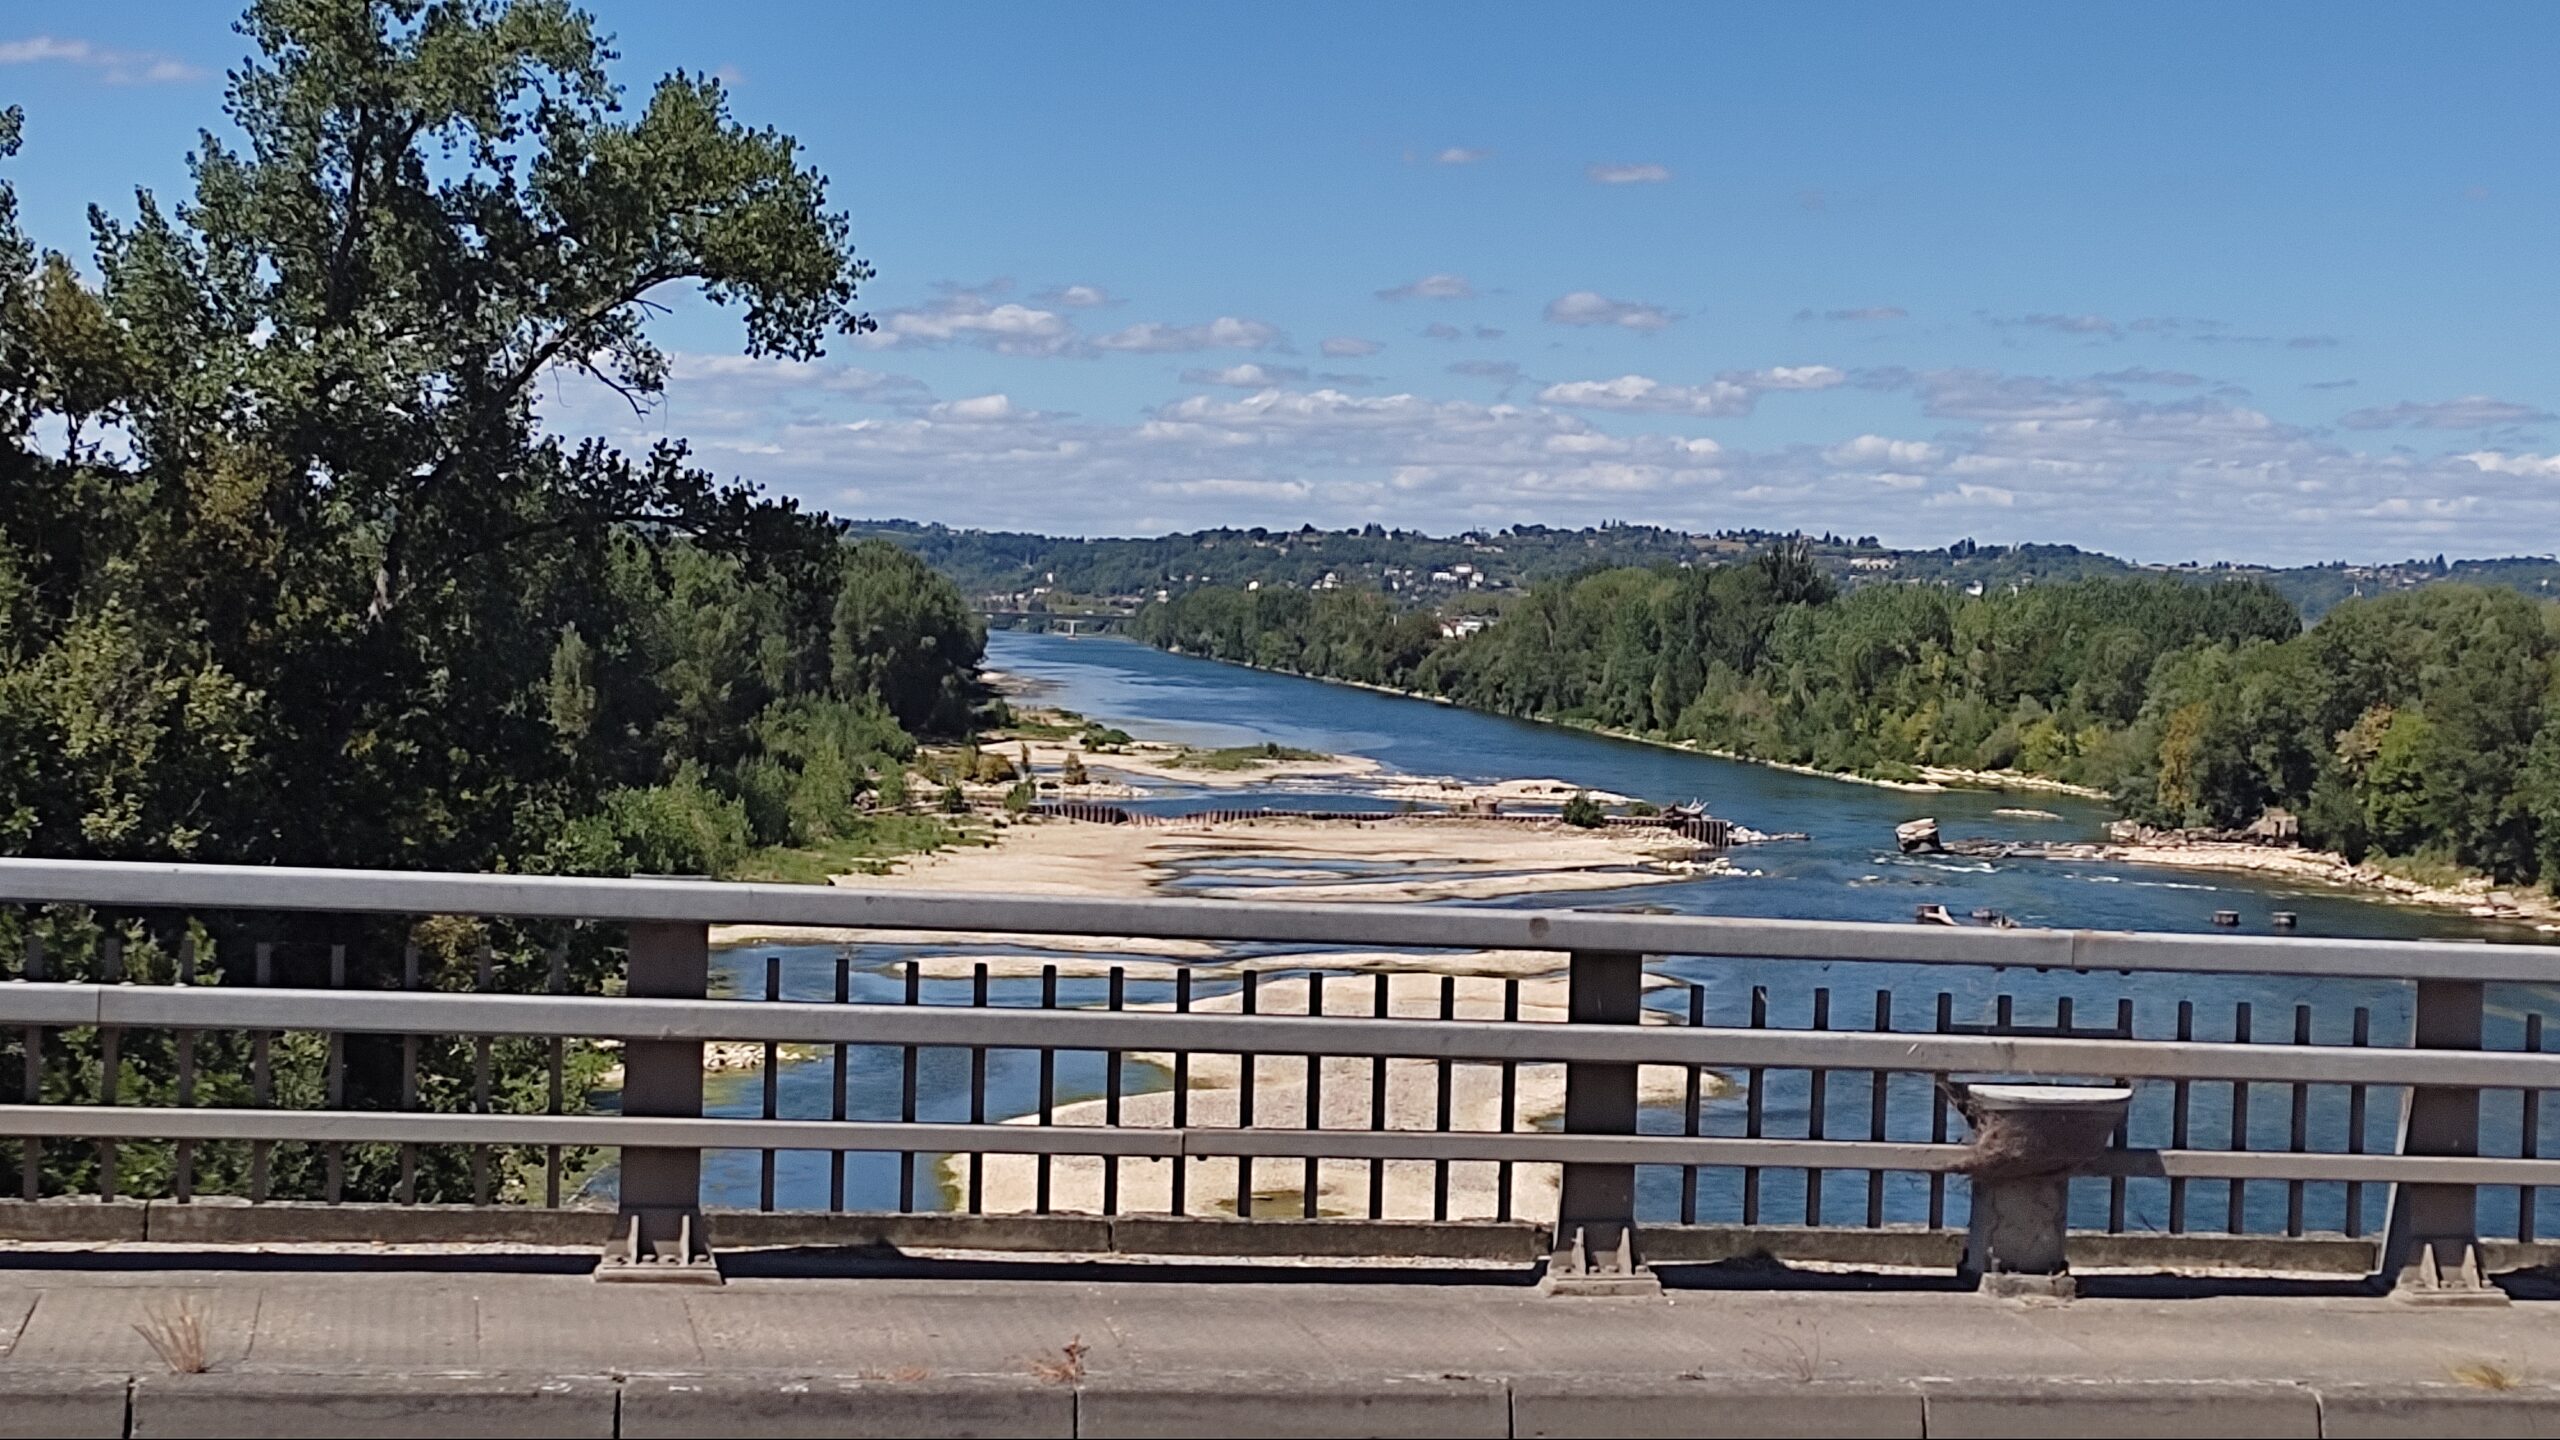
x=656 y=1407
x=1320 y=1406
x=78 y=1221
x=1488 y=1240
x=1055 y=1234
x=1712 y=1406
x=287 y=1222
x=362 y=1407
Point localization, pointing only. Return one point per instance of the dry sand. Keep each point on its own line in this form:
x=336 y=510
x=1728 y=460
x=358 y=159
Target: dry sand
x=1280 y=1102
x=2480 y=897
x=1501 y=792
x=1447 y=859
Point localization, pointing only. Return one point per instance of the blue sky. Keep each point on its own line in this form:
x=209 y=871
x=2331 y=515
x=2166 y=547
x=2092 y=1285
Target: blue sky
x=2264 y=282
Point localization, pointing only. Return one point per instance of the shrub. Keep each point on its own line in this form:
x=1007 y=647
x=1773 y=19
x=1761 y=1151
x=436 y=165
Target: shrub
x=953 y=802
x=1582 y=810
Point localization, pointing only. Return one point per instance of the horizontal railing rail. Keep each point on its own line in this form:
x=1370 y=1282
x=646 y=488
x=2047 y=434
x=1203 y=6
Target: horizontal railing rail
x=144 y=886
x=203 y=1007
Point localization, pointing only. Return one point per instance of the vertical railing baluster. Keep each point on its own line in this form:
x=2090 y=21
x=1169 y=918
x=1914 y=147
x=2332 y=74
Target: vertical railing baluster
x=978 y=1093
x=1440 y=1110
x=768 y=1160
x=183 y=1182
x=1754 y=1108
x=2529 y=1143
x=2181 y=1105
x=907 y=1092
x=1180 y=1185
x=1691 y=1101
x=261 y=1077
x=1878 y=1092
x=1245 y=1068
x=1115 y=998
x=110 y=1058
x=2235 y=1220
x=408 y=1191
x=2124 y=1130
x=2356 y=1103
x=1817 y=1101
x=1944 y=1021
x=1312 y=1182
x=1048 y=1093
x=840 y=1084
x=1503 y=1173
x=31 y=1149
x=1378 y=1109
x=555 y=1091
x=334 y=1155
x=484 y=978
x=2299 y=1137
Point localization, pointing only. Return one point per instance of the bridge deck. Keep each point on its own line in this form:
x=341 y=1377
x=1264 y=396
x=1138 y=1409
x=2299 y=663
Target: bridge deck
x=303 y=1342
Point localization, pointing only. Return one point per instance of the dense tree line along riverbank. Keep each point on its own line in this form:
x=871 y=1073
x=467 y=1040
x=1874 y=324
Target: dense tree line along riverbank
x=2416 y=726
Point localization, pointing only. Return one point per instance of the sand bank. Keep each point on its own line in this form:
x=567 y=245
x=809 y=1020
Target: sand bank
x=2480 y=896
x=1280 y=1101
x=1440 y=858
x=1533 y=793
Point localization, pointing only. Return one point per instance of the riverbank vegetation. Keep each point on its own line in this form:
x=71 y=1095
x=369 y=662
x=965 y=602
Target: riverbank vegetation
x=2411 y=725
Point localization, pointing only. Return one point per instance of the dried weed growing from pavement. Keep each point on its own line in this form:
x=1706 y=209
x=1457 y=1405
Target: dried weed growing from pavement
x=1068 y=1368
x=1795 y=1352
x=177 y=1336
x=2487 y=1374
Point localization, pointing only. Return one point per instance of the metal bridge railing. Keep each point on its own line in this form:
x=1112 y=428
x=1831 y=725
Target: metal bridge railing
x=187 y=1032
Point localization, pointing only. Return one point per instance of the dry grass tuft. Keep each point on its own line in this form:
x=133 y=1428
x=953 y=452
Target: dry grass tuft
x=1068 y=1368
x=177 y=1336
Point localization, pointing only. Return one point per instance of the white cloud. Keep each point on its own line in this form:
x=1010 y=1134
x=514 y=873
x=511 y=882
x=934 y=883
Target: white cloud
x=1246 y=376
x=1077 y=297
x=1234 y=489
x=976 y=410
x=1645 y=395
x=1862 y=312
x=1224 y=333
x=1880 y=450
x=2498 y=462
x=1602 y=174
x=116 y=67
x=2470 y=412
x=1790 y=377
x=1590 y=307
x=971 y=316
x=1349 y=347
x=1431 y=287
x=1971 y=494
x=1460 y=155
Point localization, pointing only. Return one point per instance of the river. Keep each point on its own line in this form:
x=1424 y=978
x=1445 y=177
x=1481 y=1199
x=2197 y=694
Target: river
x=1846 y=870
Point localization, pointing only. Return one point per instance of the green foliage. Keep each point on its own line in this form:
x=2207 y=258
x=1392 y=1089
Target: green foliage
x=1240 y=757
x=1073 y=771
x=953 y=802
x=2414 y=724
x=1581 y=810
x=1019 y=799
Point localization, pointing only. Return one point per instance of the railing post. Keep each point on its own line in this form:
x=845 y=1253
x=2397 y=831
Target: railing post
x=2431 y=1249
x=660 y=1225
x=1595 y=1237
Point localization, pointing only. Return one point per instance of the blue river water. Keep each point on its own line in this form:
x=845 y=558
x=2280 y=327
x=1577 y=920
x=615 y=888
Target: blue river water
x=1847 y=869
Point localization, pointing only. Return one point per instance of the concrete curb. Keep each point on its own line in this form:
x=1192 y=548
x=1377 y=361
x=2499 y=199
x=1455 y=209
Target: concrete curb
x=656 y=1407
x=75 y=1405
x=1387 y=1408
x=68 y=1403
x=1599 y=1407
x=2031 y=1410
x=362 y=1407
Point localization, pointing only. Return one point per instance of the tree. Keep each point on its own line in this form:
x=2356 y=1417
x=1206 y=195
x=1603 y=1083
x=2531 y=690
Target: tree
x=1581 y=810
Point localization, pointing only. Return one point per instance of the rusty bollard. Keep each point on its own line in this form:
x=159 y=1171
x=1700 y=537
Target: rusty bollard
x=2027 y=1141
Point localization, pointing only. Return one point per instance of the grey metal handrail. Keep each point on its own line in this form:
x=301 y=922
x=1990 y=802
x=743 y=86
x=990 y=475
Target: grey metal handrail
x=142 y=885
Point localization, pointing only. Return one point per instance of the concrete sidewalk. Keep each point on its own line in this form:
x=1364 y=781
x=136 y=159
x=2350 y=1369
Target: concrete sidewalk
x=307 y=1344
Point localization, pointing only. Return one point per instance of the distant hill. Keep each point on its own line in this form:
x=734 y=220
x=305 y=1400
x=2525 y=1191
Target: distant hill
x=1021 y=571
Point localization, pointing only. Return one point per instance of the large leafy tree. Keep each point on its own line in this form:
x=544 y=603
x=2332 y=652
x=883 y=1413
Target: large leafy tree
x=286 y=551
